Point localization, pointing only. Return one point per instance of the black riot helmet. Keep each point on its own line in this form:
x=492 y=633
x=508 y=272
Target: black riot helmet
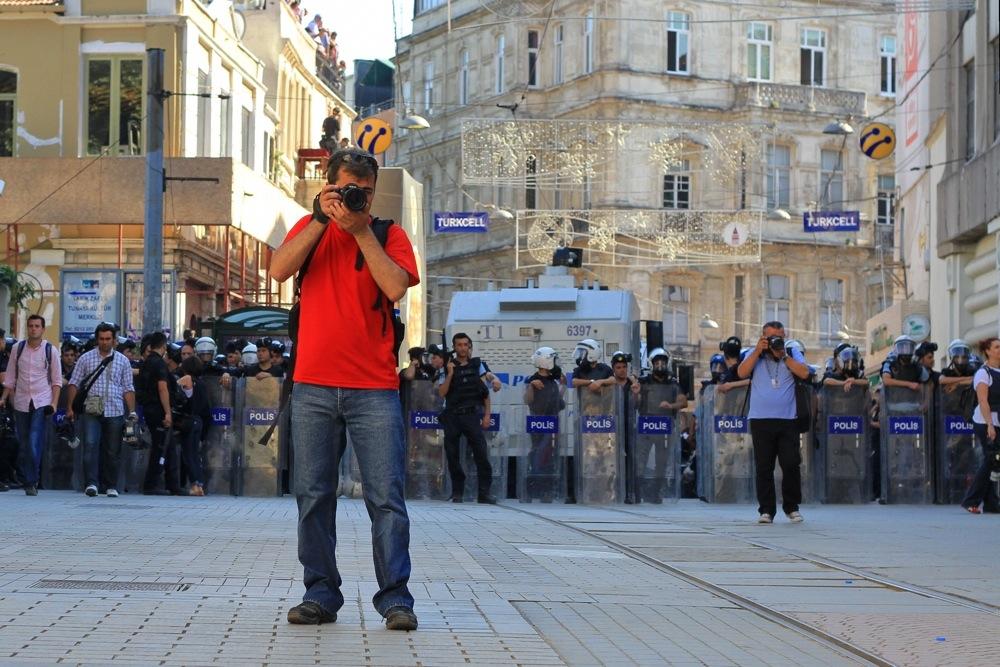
x=717 y=366
x=731 y=347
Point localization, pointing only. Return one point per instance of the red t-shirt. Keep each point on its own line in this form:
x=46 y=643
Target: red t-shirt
x=341 y=338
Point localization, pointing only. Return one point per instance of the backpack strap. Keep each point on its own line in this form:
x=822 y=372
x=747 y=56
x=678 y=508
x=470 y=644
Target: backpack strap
x=380 y=228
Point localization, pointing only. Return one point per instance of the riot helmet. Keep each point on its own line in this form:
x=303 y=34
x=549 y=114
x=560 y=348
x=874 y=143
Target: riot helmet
x=903 y=348
x=731 y=347
x=795 y=344
x=205 y=345
x=717 y=366
x=960 y=353
x=588 y=351
x=621 y=357
x=220 y=359
x=66 y=431
x=659 y=361
x=545 y=357
x=249 y=355
x=849 y=360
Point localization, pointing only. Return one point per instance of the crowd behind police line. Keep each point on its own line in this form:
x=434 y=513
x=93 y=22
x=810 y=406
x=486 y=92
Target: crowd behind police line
x=112 y=392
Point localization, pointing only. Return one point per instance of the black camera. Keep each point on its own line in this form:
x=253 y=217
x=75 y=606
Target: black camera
x=776 y=343
x=354 y=197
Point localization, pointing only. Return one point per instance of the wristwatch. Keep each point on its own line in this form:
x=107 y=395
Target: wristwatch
x=318 y=214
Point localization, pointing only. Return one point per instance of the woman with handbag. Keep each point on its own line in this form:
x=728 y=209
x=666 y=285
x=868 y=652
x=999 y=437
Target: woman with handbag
x=986 y=424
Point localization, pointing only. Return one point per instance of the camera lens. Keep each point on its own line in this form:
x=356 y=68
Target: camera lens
x=354 y=198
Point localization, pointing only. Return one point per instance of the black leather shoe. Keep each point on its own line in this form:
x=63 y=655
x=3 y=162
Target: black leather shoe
x=400 y=618
x=30 y=490
x=310 y=613
x=487 y=500
x=457 y=499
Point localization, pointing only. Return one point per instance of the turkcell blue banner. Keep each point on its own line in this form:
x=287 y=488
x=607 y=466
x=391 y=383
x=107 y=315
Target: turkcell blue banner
x=260 y=416
x=906 y=425
x=424 y=420
x=222 y=416
x=845 y=425
x=655 y=425
x=598 y=424
x=832 y=221
x=956 y=425
x=541 y=424
x=475 y=221
x=731 y=424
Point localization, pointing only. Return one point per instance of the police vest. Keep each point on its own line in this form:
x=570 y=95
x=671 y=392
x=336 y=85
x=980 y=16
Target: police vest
x=466 y=389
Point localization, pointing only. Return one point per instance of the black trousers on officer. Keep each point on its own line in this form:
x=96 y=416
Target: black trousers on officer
x=777 y=439
x=469 y=424
x=162 y=447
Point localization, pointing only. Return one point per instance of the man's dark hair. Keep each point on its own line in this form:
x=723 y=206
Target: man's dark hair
x=773 y=324
x=354 y=161
x=37 y=317
x=105 y=326
x=415 y=352
x=460 y=335
x=156 y=340
x=193 y=366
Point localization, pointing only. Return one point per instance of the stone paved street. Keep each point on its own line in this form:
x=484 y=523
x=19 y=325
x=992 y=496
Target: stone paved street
x=206 y=581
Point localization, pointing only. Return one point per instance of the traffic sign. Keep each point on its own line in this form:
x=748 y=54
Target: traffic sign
x=374 y=135
x=878 y=141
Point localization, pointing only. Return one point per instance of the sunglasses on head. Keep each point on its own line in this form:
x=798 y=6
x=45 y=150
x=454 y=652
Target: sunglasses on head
x=354 y=156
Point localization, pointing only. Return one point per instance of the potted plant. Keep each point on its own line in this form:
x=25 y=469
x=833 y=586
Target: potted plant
x=14 y=293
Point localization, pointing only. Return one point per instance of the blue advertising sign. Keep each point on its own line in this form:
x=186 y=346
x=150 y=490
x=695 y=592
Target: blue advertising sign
x=655 y=425
x=541 y=424
x=956 y=425
x=424 y=420
x=845 y=425
x=475 y=221
x=912 y=425
x=731 y=424
x=598 y=424
x=831 y=221
x=260 y=416
x=222 y=416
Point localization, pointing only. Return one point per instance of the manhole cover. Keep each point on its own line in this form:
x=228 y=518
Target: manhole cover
x=115 y=506
x=70 y=584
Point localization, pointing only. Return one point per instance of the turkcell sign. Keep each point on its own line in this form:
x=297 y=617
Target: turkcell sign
x=832 y=221
x=424 y=420
x=731 y=424
x=906 y=425
x=655 y=425
x=844 y=425
x=261 y=416
x=541 y=424
x=222 y=416
x=475 y=221
x=598 y=424
x=956 y=425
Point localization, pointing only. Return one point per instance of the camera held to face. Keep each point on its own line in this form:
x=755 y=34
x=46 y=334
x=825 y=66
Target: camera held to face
x=354 y=198
x=776 y=344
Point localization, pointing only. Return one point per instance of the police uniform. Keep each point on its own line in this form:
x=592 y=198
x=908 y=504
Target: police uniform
x=546 y=401
x=462 y=415
x=666 y=389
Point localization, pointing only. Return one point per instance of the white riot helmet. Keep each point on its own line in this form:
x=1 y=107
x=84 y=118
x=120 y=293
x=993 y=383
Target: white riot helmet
x=659 y=360
x=904 y=347
x=545 y=357
x=959 y=352
x=250 y=354
x=794 y=344
x=588 y=350
x=205 y=345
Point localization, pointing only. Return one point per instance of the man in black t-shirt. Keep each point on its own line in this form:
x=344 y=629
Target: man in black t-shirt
x=158 y=388
x=265 y=366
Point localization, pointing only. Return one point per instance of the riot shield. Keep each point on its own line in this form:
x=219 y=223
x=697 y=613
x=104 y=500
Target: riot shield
x=258 y=402
x=598 y=450
x=959 y=453
x=57 y=457
x=221 y=448
x=907 y=440
x=844 y=467
x=731 y=469
x=656 y=434
x=536 y=436
x=426 y=470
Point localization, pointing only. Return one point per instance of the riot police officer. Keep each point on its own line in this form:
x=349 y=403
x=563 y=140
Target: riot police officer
x=589 y=371
x=660 y=394
x=962 y=366
x=901 y=369
x=466 y=412
x=848 y=369
x=543 y=394
x=732 y=353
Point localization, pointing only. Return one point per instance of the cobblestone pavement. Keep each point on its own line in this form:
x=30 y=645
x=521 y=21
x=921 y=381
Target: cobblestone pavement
x=207 y=581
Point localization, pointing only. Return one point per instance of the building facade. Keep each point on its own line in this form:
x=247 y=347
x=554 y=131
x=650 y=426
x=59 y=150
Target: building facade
x=631 y=61
x=241 y=98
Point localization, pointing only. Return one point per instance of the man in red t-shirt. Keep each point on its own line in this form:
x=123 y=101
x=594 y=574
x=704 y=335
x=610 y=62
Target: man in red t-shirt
x=347 y=296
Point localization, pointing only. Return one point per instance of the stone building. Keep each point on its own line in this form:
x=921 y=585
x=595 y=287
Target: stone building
x=244 y=96
x=793 y=70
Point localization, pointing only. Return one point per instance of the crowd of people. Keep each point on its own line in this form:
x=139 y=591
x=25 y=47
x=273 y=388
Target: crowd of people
x=328 y=58
x=110 y=392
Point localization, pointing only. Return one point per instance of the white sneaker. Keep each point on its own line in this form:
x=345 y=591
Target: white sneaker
x=112 y=493
x=795 y=517
x=91 y=491
x=765 y=518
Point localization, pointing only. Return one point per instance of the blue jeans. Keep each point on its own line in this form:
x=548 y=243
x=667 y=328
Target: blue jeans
x=373 y=421
x=102 y=449
x=191 y=452
x=31 y=440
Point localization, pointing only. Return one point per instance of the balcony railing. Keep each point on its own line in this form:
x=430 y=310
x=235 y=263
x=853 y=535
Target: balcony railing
x=801 y=98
